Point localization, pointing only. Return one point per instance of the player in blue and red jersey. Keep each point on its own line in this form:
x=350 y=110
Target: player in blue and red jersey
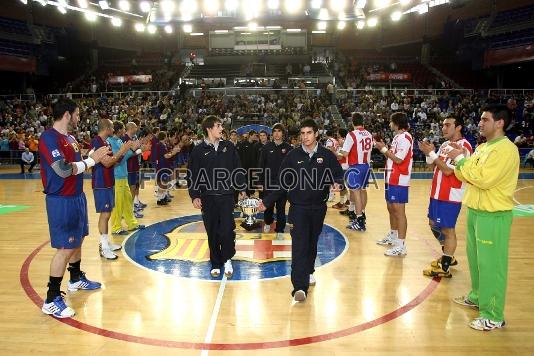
x=164 y=172
x=103 y=187
x=133 y=168
x=62 y=170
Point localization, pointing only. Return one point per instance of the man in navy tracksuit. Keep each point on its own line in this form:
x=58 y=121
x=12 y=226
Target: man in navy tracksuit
x=212 y=164
x=271 y=156
x=306 y=175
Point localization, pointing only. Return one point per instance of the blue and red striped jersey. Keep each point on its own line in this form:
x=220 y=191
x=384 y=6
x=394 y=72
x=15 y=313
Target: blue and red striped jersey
x=162 y=162
x=103 y=177
x=54 y=146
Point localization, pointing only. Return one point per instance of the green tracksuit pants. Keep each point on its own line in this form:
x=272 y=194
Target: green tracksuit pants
x=488 y=234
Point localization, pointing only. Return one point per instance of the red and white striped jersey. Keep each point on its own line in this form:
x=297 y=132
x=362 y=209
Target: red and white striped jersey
x=331 y=142
x=401 y=147
x=448 y=188
x=358 y=144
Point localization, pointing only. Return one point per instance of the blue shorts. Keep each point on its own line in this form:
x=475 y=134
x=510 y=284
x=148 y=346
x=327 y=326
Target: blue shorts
x=104 y=199
x=133 y=178
x=444 y=213
x=396 y=194
x=67 y=220
x=357 y=176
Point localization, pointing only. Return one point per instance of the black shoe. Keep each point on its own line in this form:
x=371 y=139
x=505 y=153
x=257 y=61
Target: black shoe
x=162 y=202
x=352 y=215
x=345 y=212
x=364 y=217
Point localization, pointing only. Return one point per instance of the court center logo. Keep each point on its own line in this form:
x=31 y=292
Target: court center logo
x=179 y=247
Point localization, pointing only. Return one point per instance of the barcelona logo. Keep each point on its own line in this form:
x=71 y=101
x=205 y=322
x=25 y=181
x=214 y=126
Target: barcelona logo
x=179 y=247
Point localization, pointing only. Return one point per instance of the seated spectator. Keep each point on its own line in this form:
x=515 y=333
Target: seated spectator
x=27 y=158
x=529 y=158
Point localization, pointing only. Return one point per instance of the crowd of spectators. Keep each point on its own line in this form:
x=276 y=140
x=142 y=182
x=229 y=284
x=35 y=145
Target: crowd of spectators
x=22 y=122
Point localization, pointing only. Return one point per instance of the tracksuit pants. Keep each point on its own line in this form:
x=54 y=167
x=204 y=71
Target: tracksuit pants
x=488 y=234
x=218 y=217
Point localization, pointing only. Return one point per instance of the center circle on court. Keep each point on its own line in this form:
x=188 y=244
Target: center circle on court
x=179 y=247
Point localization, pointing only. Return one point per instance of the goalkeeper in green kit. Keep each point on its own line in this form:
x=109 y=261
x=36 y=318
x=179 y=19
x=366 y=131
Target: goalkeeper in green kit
x=491 y=173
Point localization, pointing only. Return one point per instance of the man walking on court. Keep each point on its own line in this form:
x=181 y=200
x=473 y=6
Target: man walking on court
x=307 y=175
x=62 y=170
x=491 y=175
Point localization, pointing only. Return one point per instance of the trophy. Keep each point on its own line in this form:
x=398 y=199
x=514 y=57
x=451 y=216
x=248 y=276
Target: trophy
x=249 y=207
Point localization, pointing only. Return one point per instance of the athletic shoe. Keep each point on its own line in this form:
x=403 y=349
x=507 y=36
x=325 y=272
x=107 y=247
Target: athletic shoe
x=347 y=203
x=106 y=253
x=345 y=212
x=216 y=272
x=162 y=202
x=312 y=280
x=486 y=324
x=138 y=227
x=387 y=240
x=228 y=269
x=437 y=272
x=266 y=229
x=114 y=247
x=299 y=296
x=120 y=232
x=437 y=263
x=169 y=196
x=364 y=217
x=338 y=206
x=83 y=284
x=138 y=215
x=396 y=251
x=142 y=205
x=463 y=300
x=138 y=207
x=356 y=225
x=58 y=308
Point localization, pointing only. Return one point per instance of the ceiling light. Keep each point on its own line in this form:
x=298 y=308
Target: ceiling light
x=62 y=10
x=337 y=5
x=115 y=21
x=319 y=31
x=381 y=3
x=423 y=9
x=42 y=2
x=83 y=4
x=341 y=25
x=323 y=14
x=124 y=5
x=221 y=31
x=372 y=22
x=395 y=16
x=167 y=7
x=321 y=25
x=188 y=28
x=139 y=27
x=63 y=3
x=25 y=2
x=293 y=30
x=360 y=4
x=360 y=25
x=211 y=6
x=292 y=6
x=316 y=4
x=90 y=16
x=273 y=4
x=405 y=2
x=151 y=29
x=168 y=29
x=104 y=5
x=197 y=33
x=145 y=6
x=231 y=5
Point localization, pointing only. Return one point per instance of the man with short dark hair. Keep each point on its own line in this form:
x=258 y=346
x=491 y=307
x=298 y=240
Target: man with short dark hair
x=308 y=199
x=62 y=170
x=27 y=158
x=248 y=154
x=209 y=178
x=397 y=181
x=491 y=175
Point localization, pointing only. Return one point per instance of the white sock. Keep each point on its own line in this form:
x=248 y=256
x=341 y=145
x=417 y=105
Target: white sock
x=398 y=242
x=136 y=199
x=104 y=241
x=395 y=233
x=351 y=206
x=342 y=198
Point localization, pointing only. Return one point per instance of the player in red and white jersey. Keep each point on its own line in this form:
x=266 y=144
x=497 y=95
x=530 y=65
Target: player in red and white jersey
x=446 y=195
x=357 y=148
x=397 y=178
x=344 y=197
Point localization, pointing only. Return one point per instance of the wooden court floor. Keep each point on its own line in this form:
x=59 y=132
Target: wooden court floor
x=363 y=302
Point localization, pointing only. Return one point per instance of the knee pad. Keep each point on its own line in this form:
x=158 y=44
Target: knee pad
x=436 y=231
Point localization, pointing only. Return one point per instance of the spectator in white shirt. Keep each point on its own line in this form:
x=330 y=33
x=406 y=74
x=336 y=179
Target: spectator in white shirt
x=27 y=158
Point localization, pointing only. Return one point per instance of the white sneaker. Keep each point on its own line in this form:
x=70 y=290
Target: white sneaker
x=114 y=247
x=216 y=272
x=107 y=253
x=312 y=280
x=279 y=235
x=228 y=269
x=387 y=240
x=266 y=229
x=300 y=296
x=396 y=250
